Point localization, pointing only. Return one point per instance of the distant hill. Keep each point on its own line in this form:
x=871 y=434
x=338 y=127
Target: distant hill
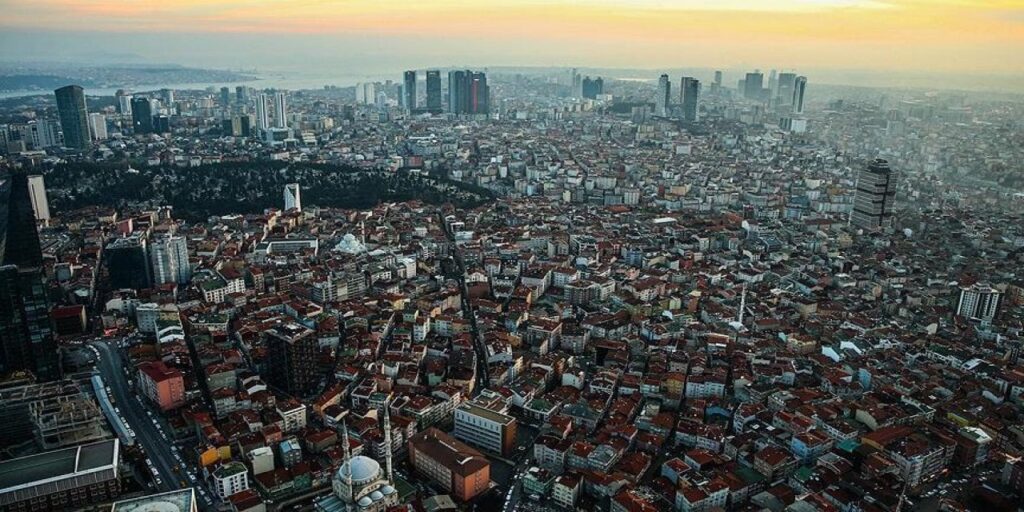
x=197 y=193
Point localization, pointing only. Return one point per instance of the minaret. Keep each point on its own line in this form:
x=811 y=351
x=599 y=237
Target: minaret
x=387 y=438
x=743 y=305
x=348 y=460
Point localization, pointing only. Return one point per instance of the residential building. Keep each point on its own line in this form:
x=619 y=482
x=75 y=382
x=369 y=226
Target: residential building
x=229 y=479
x=162 y=385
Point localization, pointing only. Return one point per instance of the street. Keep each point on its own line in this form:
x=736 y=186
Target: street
x=156 y=446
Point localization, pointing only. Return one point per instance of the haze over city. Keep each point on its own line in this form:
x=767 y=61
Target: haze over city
x=883 y=40
x=511 y=256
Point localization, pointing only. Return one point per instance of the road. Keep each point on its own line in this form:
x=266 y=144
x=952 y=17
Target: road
x=157 y=447
x=483 y=380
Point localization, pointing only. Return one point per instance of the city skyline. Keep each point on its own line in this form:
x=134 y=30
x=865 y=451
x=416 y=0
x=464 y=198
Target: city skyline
x=876 y=35
x=512 y=256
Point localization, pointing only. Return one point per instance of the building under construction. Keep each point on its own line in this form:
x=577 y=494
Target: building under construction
x=53 y=414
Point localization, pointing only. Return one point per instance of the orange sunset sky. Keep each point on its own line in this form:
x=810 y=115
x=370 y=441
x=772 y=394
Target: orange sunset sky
x=914 y=35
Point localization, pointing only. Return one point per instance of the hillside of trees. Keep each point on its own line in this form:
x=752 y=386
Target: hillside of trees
x=247 y=187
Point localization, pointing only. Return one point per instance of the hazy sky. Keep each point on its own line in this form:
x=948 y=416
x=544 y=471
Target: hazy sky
x=975 y=36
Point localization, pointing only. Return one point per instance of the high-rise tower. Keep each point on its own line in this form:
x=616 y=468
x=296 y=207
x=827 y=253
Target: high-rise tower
x=74 y=119
x=262 y=114
x=753 y=85
x=875 y=195
x=799 y=87
x=280 y=110
x=292 y=197
x=979 y=302
x=409 y=90
x=169 y=257
x=142 y=115
x=784 y=94
x=662 y=100
x=691 y=94
x=468 y=92
x=26 y=334
x=37 y=192
x=433 y=90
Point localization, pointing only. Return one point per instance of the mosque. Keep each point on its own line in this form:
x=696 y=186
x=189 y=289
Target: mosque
x=360 y=485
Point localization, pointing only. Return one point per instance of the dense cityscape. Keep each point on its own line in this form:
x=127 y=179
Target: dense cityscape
x=473 y=290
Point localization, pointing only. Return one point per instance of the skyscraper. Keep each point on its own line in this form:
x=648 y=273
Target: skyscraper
x=479 y=94
x=799 y=87
x=292 y=197
x=662 y=100
x=241 y=94
x=280 y=110
x=433 y=90
x=262 y=116
x=169 y=258
x=753 y=85
x=577 y=84
x=74 y=119
x=26 y=334
x=592 y=88
x=37 y=194
x=456 y=91
x=167 y=95
x=409 y=90
x=784 y=94
x=468 y=93
x=718 y=78
x=691 y=93
x=225 y=96
x=142 y=116
x=874 y=197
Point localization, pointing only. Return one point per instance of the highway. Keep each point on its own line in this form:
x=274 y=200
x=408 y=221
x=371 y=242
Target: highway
x=157 y=447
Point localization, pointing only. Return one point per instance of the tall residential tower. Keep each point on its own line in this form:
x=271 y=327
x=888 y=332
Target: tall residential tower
x=874 y=196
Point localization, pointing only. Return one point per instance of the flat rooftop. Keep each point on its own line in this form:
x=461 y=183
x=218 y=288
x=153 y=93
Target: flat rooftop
x=487 y=414
x=58 y=464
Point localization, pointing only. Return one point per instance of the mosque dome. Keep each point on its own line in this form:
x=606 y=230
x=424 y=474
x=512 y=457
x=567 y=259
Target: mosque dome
x=363 y=469
x=350 y=244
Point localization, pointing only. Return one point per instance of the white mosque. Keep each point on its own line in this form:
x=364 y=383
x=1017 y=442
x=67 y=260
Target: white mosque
x=369 y=491
x=359 y=484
